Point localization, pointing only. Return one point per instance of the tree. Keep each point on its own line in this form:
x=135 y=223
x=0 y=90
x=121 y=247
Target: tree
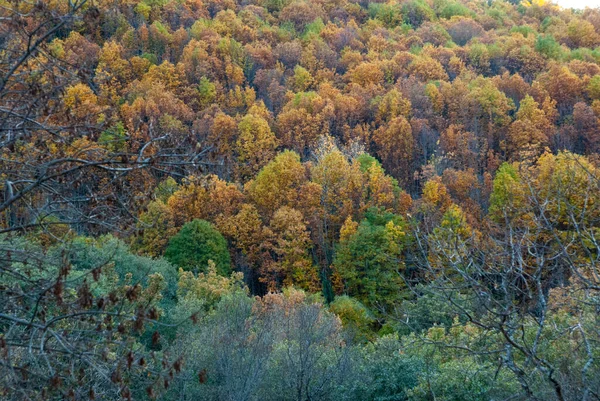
x=587 y=139
x=228 y=353
x=428 y=69
x=195 y=244
x=582 y=33
x=302 y=79
x=203 y=197
x=157 y=225
x=380 y=189
x=385 y=372
x=369 y=262
x=69 y=332
x=278 y=184
x=72 y=317
x=528 y=134
x=593 y=87
x=356 y=318
x=301 y=13
x=463 y=30
x=366 y=74
x=514 y=275
x=460 y=148
x=452 y=239
x=435 y=200
x=492 y=107
x=255 y=145
x=253 y=240
x=303 y=120
x=339 y=184
x=392 y=105
x=223 y=137
x=563 y=86
x=310 y=357
x=416 y=12
x=238 y=131
x=292 y=247
x=395 y=147
x=84 y=164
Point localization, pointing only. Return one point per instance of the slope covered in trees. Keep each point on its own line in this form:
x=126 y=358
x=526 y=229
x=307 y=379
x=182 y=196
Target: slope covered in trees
x=299 y=199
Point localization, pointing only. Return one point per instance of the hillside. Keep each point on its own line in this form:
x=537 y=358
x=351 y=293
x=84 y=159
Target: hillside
x=299 y=199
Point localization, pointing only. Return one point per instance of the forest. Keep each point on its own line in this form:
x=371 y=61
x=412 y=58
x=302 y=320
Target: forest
x=244 y=200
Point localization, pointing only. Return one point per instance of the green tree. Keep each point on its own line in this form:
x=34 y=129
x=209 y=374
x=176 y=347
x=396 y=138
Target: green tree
x=195 y=244
x=356 y=318
x=384 y=372
x=508 y=194
x=369 y=261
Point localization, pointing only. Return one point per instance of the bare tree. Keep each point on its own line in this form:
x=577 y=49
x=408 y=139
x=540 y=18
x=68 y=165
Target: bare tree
x=310 y=355
x=530 y=280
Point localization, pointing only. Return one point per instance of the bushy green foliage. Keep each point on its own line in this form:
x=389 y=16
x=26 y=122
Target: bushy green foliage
x=206 y=91
x=195 y=244
x=370 y=262
x=427 y=310
x=385 y=371
x=388 y=13
x=313 y=29
x=114 y=137
x=366 y=161
x=547 y=46
x=593 y=87
x=356 y=318
x=88 y=253
x=416 y=12
x=524 y=30
x=165 y=189
x=450 y=9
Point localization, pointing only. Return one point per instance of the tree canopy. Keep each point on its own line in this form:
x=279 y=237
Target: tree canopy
x=299 y=199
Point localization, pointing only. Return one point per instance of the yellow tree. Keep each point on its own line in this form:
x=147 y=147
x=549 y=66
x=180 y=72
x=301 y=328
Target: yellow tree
x=528 y=134
x=427 y=69
x=113 y=72
x=392 y=105
x=303 y=119
x=451 y=242
x=255 y=145
x=492 y=109
x=435 y=200
x=207 y=198
x=341 y=192
x=379 y=189
x=81 y=105
x=278 y=184
x=292 y=244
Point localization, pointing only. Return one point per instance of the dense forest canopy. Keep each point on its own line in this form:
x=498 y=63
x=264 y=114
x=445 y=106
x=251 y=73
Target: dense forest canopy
x=299 y=200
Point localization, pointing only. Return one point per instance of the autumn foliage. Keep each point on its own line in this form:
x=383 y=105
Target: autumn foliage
x=317 y=182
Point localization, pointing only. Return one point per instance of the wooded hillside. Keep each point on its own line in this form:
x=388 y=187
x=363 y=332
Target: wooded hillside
x=299 y=199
